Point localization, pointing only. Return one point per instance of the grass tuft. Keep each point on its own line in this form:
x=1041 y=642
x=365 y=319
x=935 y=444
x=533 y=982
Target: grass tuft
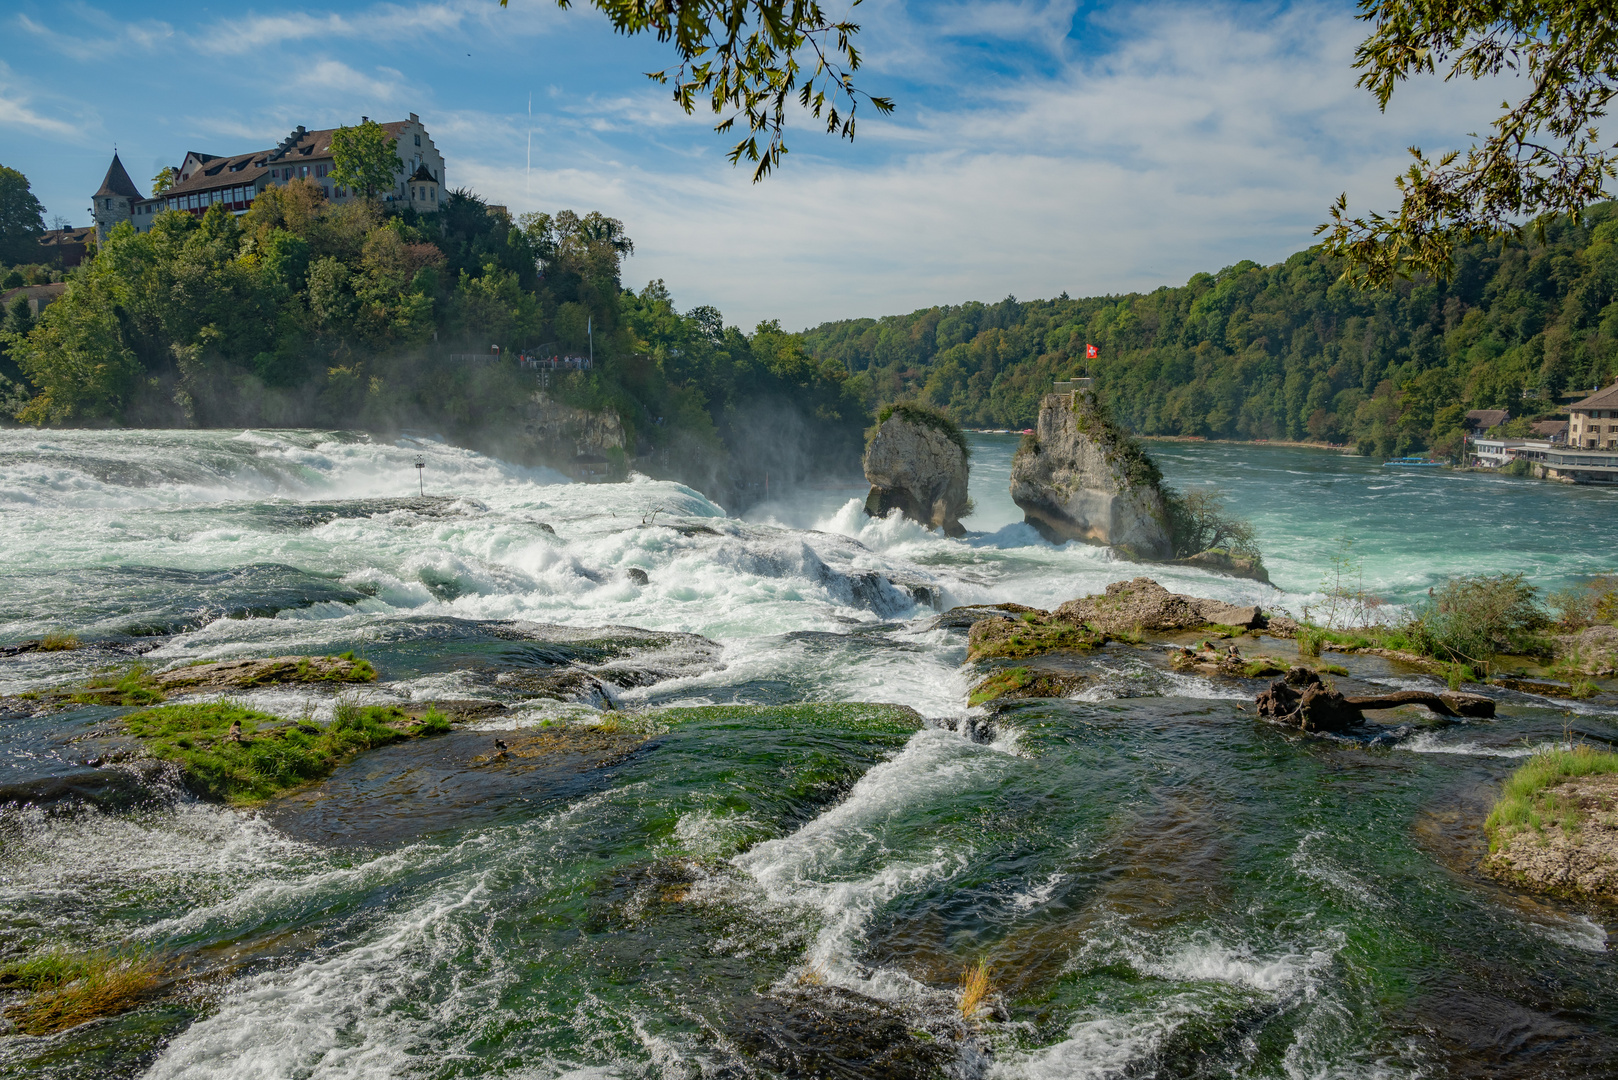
x=59 y=643
x=68 y=989
x=270 y=756
x=132 y=686
x=975 y=987
x=1530 y=800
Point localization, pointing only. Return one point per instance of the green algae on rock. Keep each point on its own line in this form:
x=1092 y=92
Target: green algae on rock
x=1030 y=634
x=873 y=718
x=1020 y=682
x=68 y=989
x=230 y=753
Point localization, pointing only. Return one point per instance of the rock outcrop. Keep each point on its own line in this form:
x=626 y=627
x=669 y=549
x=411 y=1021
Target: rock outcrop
x=916 y=463
x=1578 y=863
x=561 y=435
x=1079 y=477
x=1142 y=605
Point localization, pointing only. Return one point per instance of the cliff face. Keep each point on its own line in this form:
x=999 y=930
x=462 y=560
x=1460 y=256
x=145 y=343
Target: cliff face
x=1081 y=479
x=918 y=469
x=560 y=434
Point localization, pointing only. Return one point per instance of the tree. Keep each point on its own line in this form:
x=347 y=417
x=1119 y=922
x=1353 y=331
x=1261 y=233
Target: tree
x=1542 y=156
x=363 y=158
x=743 y=55
x=164 y=180
x=1199 y=523
x=22 y=219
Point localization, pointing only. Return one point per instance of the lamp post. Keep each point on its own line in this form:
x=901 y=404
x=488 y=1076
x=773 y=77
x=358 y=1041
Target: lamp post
x=421 y=466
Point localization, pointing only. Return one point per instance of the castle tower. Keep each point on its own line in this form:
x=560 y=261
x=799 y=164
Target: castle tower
x=115 y=200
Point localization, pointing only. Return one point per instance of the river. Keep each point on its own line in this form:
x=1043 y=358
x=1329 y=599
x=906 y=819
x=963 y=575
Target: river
x=1158 y=885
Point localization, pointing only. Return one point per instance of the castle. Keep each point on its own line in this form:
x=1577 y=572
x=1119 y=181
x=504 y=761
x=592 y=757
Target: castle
x=205 y=179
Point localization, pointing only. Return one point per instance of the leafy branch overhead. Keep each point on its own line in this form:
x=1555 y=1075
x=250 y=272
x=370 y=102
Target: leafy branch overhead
x=1543 y=154
x=744 y=57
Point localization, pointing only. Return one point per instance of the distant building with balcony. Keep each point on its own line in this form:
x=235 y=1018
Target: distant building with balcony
x=202 y=180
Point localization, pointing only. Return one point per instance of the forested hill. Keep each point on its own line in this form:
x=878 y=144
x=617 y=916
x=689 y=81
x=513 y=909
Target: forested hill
x=1276 y=352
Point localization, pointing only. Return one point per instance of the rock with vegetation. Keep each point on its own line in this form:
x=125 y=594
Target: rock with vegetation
x=1081 y=477
x=1031 y=633
x=244 y=674
x=916 y=462
x=230 y=753
x=1022 y=682
x=1208 y=537
x=1142 y=605
x=1555 y=827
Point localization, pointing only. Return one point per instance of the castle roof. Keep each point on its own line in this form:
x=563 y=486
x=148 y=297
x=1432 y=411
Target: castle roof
x=301 y=146
x=117 y=182
x=422 y=176
x=1601 y=399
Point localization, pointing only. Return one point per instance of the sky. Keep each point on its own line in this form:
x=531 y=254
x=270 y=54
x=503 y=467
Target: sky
x=1037 y=148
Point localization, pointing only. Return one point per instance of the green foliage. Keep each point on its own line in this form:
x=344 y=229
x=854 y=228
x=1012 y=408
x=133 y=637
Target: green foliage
x=22 y=218
x=743 y=56
x=164 y=179
x=1198 y=522
x=364 y=158
x=1280 y=352
x=922 y=416
x=1121 y=450
x=1542 y=156
x=1594 y=601
x=1530 y=799
x=1031 y=635
x=1474 y=617
x=131 y=686
x=270 y=756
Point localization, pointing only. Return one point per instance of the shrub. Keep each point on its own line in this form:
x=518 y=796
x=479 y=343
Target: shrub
x=1474 y=617
x=1578 y=606
x=1198 y=522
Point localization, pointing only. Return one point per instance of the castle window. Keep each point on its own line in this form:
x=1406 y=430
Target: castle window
x=418 y=140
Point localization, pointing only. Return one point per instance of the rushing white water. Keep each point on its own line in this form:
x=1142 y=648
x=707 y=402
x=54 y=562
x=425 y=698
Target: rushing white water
x=1178 y=878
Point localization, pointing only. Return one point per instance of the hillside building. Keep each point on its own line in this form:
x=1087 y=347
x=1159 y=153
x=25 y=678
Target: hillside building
x=204 y=179
x=1593 y=422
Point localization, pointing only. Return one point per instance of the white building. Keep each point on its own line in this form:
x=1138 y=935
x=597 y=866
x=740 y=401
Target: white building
x=205 y=179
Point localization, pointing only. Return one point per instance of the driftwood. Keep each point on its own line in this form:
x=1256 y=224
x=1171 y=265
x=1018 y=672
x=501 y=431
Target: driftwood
x=1302 y=700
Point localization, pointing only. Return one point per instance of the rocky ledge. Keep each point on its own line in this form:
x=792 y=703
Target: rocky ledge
x=1579 y=863
x=1126 y=610
x=916 y=463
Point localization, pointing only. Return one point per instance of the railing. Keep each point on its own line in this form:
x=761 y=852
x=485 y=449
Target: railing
x=1069 y=386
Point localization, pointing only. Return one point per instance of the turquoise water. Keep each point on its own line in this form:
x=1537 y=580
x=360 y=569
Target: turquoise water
x=792 y=885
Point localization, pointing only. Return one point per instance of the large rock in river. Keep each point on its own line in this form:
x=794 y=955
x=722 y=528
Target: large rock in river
x=916 y=463
x=1079 y=477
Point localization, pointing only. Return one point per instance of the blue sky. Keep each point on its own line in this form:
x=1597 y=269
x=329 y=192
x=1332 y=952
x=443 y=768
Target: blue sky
x=1037 y=148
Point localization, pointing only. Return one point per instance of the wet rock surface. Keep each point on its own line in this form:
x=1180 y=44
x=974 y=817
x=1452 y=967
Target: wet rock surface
x=827 y=1031
x=920 y=471
x=410 y=789
x=1075 y=480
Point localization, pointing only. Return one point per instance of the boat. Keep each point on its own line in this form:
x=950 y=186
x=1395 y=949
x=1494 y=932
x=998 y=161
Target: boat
x=1414 y=463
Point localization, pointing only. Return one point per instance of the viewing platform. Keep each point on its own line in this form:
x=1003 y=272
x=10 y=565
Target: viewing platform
x=1072 y=386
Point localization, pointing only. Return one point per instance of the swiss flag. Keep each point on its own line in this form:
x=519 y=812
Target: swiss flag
x=1089 y=351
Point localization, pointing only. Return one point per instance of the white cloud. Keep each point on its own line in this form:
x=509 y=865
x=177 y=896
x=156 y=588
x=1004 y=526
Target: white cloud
x=17 y=111
x=1205 y=137
x=115 y=35
x=252 y=33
